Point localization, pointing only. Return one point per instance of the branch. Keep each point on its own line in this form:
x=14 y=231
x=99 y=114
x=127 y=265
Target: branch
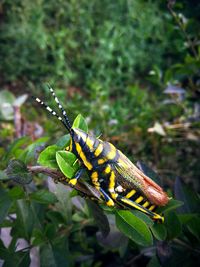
x=83 y=187
x=179 y=23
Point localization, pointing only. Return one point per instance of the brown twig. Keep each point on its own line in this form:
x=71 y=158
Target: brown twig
x=82 y=187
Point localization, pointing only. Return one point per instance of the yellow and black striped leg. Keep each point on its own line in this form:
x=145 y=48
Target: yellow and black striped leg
x=74 y=180
x=131 y=204
x=109 y=201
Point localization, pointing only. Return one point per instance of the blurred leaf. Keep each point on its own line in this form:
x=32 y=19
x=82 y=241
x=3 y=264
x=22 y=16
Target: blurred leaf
x=148 y=171
x=133 y=227
x=18 y=172
x=16 y=192
x=173 y=225
x=154 y=262
x=99 y=217
x=157 y=128
x=30 y=152
x=5 y=204
x=179 y=194
x=63 y=142
x=66 y=160
x=26 y=219
x=43 y=196
x=6 y=102
x=185 y=218
x=194 y=226
x=80 y=123
x=24 y=259
x=3 y=176
x=15 y=149
x=38 y=237
x=19 y=101
x=159 y=231
x=190 y=199
x=172 y=204
x=50 y=231
x=47 y=157
x=55 y=254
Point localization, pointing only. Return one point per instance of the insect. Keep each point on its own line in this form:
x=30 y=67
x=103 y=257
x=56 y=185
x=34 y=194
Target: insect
x=117 y=179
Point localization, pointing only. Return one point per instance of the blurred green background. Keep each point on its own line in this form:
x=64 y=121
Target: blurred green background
x=130 y=67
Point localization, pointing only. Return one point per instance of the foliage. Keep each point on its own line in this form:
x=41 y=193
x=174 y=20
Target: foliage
x=132 y=69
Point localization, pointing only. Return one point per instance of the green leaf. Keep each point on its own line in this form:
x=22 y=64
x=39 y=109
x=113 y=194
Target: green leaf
x=154 y=262
x=55 y=254
x=190 y=198
x=185 y=218
x=194 y=227
x=159 y=231
x=26 y=219
x=66 y=160
x=99 y=217
x=18 y=172
x=173 y=225
x=143 y=217
x=30 y=152
x=5 y=204
x=173 y=204
x=16 y=192
x=80 y=123
x=38 y=237
x=24 y=259
x=15 y=149
x=43 y=197
x=133 y=227
x=47 y=157
x=64 y=141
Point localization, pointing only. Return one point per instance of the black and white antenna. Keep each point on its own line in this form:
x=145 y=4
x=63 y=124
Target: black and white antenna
x=66 y=121
x=60 y=107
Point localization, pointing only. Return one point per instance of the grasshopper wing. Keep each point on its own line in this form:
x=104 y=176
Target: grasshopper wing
x=132 y=177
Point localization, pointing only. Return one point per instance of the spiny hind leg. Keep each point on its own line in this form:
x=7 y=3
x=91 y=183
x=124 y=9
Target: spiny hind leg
x=108 y=199
x=131 y=204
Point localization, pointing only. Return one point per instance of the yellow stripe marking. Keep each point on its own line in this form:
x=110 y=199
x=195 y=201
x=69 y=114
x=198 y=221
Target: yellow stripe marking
x=139 y=199
x=98 y=150
x=130 y=194
x=73 y=181
x=108 y=169
x=95 y=181
x=110 y=203
x=112 y=153
x=94 y=175
x=89 y=143
x=152 y=207
x=112 y=181
x=83 y=157
x=130 y=203
x=101 y=161
x=146 y=204
x=158 y=217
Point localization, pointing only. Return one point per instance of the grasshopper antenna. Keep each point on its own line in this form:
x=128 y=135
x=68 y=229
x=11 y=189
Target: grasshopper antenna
x=60 y=107
x=67 y=126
